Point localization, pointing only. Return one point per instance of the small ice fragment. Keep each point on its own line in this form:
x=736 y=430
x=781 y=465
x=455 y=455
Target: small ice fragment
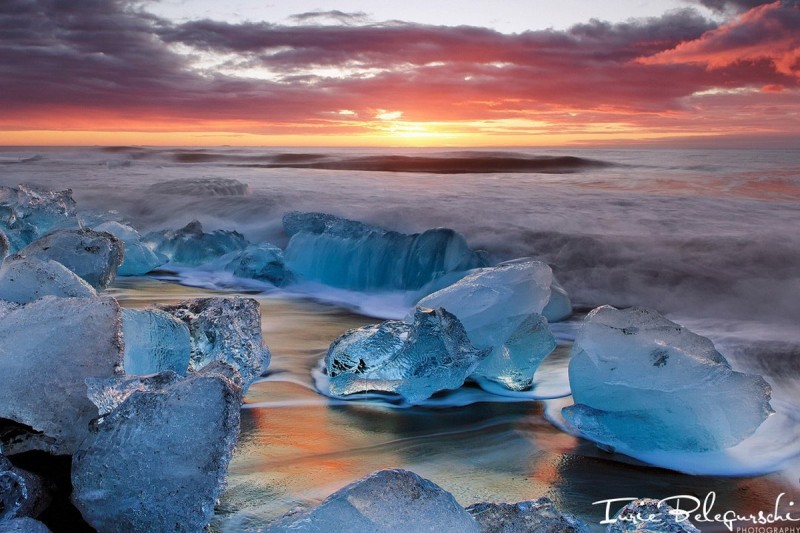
x=224 y=329
x=540 y=516
x=157 y=462
x=191 y=246
x=353 y=255
x=139 y=259
x=260 y=261
x=154 y=341
x=427 y=353
x=500 y=308
x=642 y=382
x=388 y=500
x=650 y=516
x=47 y=350
x=25 y=279
x=94 y=256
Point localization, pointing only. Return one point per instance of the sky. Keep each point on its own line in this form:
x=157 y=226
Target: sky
x=413 y=73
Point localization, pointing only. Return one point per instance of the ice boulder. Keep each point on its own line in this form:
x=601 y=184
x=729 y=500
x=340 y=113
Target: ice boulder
x=540 y=516
x=353 y=255
x=47 y=350
x=25 y=279
x=139 y=259
x=157 y=462
x=94 y=256
x=262 y=262
x=27 y=213
x=227 y=330
x=23 y=525
x=642 y=382
x=388 y=500
x=415 y=358
x=154 y=341
x=650 y=516
x=191 y=246
x=500 y=308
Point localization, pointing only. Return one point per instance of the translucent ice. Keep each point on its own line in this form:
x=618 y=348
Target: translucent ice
x=538 y=515
x=25 y=279
x=260 y=261
x=388 y=500
x=427 y=353
x=352 y=255
x=650 y=516
x=95 y=256
x=227 y=330
x=192 y=246
x=27 y=213
x=22 y=525
x=559 y=306
x=642 y=382
x=158 y=461
x=47 y=350
x=154 y=341
x=139 y=259
x=500 y=308
x=13 y=492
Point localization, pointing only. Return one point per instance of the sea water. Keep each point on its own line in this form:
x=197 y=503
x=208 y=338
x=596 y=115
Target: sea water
x=708 y=237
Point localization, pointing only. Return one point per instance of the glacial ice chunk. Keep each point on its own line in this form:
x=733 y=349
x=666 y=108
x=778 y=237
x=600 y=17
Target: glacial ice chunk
x=13 y=492
x=191 y=246
x=23 y=525
x=109 y=393
x=427 y=353
x=25 y=279
x=95 y=256
x=642 y=382
x=27 y=213
x=650 y=516
x=387 y=500
x=538 y=515
x=500 y=308
x=260 y=261
x=47 y=350
x=139 y=259
x=352 y=255
x=158 y=461
x=227 y=330
x=154 y=341
x=559 y=306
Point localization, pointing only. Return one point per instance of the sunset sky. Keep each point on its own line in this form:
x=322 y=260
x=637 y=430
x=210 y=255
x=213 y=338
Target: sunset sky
x=413 y=73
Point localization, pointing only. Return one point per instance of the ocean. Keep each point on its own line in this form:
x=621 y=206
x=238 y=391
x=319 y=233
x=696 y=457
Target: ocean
x=710 y=238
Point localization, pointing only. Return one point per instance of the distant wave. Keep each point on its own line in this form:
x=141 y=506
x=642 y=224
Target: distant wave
x=464 y=162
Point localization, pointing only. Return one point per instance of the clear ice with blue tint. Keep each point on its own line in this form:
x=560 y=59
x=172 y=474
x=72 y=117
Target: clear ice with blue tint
x=642 y=382
x=25 y=279
x=263 y=262
x=540 y=516
x=500 y=308
x=139 y=259
x=155 y=341
x=191 y=246
x=387 y=500
x=352 y=255
x=415 y=358
x=27 y=213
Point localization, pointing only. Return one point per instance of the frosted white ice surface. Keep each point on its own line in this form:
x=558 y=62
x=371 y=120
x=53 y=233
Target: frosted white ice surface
x=500 y=308
x=157 y=462
x=94 y=256
x=191 y=246
x=47 y=350
x=25 y=279
x=428 y=352
x=540 y=516
x=642 y=382
x=227 y=330
x=139 y=259
x=650 y=516
x=388 y=500
x=352 y=255
x=154 y=341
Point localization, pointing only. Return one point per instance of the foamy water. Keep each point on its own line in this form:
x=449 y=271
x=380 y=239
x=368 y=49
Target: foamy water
x=710 y=238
